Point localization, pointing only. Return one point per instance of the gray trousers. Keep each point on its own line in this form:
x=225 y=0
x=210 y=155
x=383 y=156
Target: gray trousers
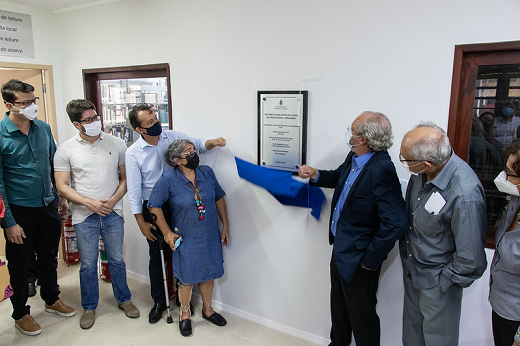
x=431 y=317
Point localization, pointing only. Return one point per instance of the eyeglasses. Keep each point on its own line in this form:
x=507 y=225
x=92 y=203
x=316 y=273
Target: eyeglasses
x=90 y=120
x=511 y=175
x=405 y=163
x=190 y=154
x=349 y=129
x=403 y=160
x=27 y=103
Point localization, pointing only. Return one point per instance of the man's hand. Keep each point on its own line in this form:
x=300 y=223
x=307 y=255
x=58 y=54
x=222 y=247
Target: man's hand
x=362 y=266
x=224 y=237
x=63 y=206
x=102 y=207
x=308 y=172
x=109 y=203
x=217 y=142
x=146 y=230
x=15 y=234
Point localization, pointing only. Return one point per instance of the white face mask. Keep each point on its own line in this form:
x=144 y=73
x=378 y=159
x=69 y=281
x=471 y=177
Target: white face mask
x=93 y=129
x=410 y=171
x=505 y=186
x=348 y=136
x=30 y=112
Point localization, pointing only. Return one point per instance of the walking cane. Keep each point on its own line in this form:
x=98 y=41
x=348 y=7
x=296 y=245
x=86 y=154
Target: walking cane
x=160 y=239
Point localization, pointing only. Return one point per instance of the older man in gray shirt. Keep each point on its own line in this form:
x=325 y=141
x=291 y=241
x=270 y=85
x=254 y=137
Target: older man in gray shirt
x=443 y=250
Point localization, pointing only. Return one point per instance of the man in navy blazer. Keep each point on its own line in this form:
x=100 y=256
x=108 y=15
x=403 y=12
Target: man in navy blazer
x=368 y=215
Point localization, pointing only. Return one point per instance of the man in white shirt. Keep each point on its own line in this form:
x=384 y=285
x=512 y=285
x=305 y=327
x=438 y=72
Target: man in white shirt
x=144 y=166
x=90 y=173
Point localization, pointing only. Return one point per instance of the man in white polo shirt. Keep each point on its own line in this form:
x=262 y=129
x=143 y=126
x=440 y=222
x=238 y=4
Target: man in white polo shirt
x=90 y=173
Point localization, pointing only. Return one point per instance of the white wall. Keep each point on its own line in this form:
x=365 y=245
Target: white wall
x=45 y=51
x=391 y=56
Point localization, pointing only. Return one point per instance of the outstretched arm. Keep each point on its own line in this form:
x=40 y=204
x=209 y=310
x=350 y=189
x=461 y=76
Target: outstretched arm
x=217 y=142
x=308 y=172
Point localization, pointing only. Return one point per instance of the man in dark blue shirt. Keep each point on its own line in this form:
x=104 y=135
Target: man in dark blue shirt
x=31 y=222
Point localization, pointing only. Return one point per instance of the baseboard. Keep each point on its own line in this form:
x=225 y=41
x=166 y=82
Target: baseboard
x=248 y=316
x=138 y=277
x=265 y=322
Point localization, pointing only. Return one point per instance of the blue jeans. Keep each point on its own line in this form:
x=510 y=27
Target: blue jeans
x=111 y=229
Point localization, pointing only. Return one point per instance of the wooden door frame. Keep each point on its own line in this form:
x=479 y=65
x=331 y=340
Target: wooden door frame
x=468 y=57
x=50 y=103
x=91 y=78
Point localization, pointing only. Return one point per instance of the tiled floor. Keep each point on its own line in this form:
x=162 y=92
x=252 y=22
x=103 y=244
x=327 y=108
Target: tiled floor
x=112 y=327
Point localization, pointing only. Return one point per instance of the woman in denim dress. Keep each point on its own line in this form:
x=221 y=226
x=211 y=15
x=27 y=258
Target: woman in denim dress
x=197 y=203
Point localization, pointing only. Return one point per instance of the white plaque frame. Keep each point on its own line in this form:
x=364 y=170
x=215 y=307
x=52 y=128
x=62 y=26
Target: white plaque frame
x=282 y=129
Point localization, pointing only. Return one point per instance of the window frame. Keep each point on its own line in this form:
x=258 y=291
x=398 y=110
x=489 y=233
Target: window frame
x=91 y=78
x=467 y=59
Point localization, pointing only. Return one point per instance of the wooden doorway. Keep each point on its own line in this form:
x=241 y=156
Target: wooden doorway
x=39 y=76
x=477 y=70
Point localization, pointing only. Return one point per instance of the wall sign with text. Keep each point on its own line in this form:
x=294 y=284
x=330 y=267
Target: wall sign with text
x=16 y=36
x=282 y=129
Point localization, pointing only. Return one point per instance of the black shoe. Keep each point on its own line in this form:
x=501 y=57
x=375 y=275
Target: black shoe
x=32 y=289
x=191 y=306
x=215 y=318
x=185 y=327
x=156 y=313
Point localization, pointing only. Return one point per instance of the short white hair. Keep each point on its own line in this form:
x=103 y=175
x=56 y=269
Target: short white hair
x=434 y=147
x=377 y=130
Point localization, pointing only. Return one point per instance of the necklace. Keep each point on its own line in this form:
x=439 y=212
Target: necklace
x=201 y=207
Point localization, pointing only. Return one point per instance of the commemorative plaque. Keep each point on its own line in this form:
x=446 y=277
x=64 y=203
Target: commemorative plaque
x=282 y=129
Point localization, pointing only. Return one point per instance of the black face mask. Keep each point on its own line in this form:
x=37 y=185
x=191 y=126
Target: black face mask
x=192 y=161
x=154 y=130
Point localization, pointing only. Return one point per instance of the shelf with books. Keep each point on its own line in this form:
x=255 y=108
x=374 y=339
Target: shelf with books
x=119 y=96
x=116 y=90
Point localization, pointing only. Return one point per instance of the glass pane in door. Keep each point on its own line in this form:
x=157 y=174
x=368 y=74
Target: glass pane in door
x=495 y=125
x=118 y=96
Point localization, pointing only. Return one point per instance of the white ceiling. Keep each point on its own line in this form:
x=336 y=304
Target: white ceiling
x=57 y=6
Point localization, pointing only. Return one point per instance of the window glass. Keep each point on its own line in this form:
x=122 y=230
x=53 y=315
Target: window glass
x=120 y=95
x=495 y=125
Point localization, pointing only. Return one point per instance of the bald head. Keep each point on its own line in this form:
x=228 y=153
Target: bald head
x=427 y=142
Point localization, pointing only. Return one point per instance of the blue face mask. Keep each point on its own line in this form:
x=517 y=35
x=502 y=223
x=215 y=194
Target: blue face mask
x=507 y=111
x=154 y=130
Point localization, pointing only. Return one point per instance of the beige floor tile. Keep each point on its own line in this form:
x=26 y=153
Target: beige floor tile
x=112 y=327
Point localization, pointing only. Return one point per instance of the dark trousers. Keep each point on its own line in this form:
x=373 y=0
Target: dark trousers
x=504 y=330
x=32 y=271
x=353 y=307
x=154 y=251
x=42 y=228
x=32 y=274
